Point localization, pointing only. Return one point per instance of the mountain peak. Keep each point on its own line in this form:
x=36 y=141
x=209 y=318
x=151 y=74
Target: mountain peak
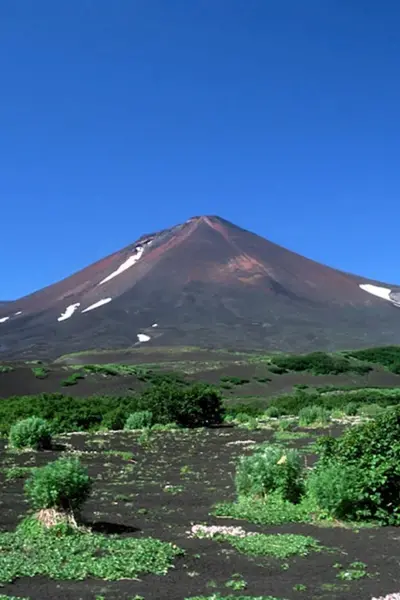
x=204 y=282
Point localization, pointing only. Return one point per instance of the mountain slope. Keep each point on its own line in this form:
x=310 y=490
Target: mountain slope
x=205 y=282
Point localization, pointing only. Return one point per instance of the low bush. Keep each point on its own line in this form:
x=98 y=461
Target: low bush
x=63 y=485
x=72 y=379
x=273 y=412
x=387 y=356
x=351 y=409
x=32 y=432
x=370 y=410
x=234 y=380
x=277 y=370
x=139 y=420
x=291 y=404
x=270 y=469
x=196 y=405
x=243 y=417
x=336 y=489
x=370 y=454
x=313 y=415
x=263 y=379
x=40 y=372
x=65 y=413
x=187 y=405
x=253 y=408
x=319 y=363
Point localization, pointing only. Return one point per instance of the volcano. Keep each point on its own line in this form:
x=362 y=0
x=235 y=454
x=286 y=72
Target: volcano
x=205 y=283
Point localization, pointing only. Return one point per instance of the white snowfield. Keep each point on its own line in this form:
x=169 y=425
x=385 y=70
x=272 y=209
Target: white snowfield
x=18 y=313
x=69 y=311
x=125 y=265
x=4 y=319
x=155 y=325
x=97 y=304
x=142 y=337
x=375 y=290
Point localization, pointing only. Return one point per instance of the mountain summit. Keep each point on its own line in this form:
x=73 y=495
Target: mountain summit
x=204 y=283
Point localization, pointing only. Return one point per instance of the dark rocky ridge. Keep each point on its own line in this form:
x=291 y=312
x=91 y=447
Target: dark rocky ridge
x=204 y=283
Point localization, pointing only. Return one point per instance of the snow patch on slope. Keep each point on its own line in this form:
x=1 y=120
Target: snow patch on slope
x=97 y=304
x=375 y=290
x=18 y=313
x=125 y=265
x=69 y=311
x=4 y=319
x=142 y=337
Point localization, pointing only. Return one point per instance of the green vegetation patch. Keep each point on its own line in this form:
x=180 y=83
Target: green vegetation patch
x=3 y=597
x=320 y=363
x=357 y=476
x=33 y=432
x=281 y=545
x=73 y=379
x=193 y=405
x=271 y=468
x=292 y=404
x=6 y=369
x=387 y=356
x=81 y=555
x=13 y=473
x=40 y=372
x=232 y=597
x=231 y=380
x=271 y=511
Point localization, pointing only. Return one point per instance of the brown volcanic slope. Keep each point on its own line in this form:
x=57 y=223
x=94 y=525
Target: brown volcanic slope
x=204 y=283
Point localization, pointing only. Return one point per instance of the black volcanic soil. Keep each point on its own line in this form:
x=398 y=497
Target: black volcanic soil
x=133 y=499
x=207 y=366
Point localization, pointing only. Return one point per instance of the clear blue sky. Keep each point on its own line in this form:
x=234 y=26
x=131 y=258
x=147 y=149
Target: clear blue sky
x=121 y=117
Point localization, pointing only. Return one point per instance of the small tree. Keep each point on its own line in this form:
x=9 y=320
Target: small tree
x=32 y=432
x=58 y=490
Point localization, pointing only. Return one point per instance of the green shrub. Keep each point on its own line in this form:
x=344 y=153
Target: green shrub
x=32 y=432
x=243 y=417
x=115 y=420
x=337 y=489
x=313 y=415
x=139 y=420
x=187 y=405
x=387 y=356
x=234 y=380
x=370 y=410
x=63 y=485
x=319 y=363
x=276 y=370
x=194 y=405
x=372 y=449
x=253 y=408
x=351 y=409
x=273 y=412
x=286 y=425
x=72 y=379
x=270 y=469
x=335 y=399
x=40 y=372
